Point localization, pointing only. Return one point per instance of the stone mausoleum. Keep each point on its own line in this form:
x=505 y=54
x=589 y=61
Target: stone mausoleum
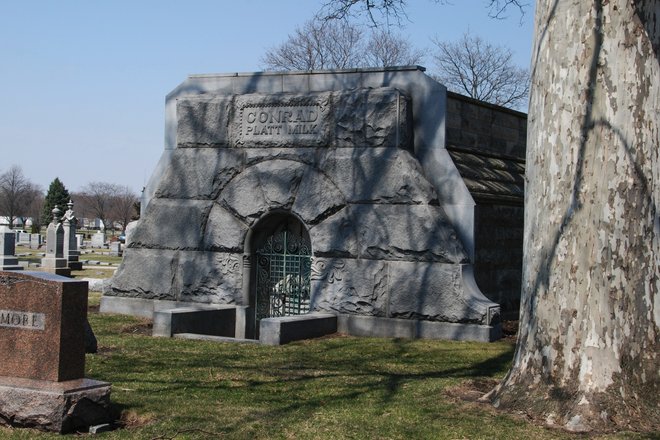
x=286 y=197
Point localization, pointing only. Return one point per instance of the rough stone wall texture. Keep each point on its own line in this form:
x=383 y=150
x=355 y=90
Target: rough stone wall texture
x=485 y=127
x=487 y=143
x=342 y=162
x=498 y=259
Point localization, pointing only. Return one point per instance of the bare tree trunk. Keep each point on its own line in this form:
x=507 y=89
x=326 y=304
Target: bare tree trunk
x=587 y=355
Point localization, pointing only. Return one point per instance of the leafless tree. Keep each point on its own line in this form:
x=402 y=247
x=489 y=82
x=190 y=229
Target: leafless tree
x=16 y=194
x=317 y=45
x=109 y=202
x=386 y=48
x=96 y=198
x=481 y=70
x=34 y=210
x=123 y=205
x=339 y=44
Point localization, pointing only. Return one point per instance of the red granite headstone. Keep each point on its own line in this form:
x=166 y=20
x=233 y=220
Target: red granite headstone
x=42 y=338
x=42 y=320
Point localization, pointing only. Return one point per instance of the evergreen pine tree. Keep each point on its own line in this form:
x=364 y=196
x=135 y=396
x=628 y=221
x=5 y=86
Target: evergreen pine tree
x=57 y=195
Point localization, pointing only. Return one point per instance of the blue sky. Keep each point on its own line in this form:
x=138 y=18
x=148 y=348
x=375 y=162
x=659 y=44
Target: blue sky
x=84 y=82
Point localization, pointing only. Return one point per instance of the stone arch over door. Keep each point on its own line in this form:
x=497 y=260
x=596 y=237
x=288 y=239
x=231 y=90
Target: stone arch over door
x=280 y=252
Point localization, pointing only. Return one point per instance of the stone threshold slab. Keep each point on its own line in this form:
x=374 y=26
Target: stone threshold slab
x=212 y=338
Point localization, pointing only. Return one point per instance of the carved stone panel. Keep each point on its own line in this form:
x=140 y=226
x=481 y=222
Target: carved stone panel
x=209 y=277
x=349 y=286
x=204 y=277
x=145 y=273
x=435 y=292
x=202 y=121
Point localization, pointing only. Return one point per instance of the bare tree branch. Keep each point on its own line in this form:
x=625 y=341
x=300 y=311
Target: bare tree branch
x=123 y=205
x=95 y=198
x=340 y=45
x=497 y=8
x=385 y=48
x=317 y=45
x=482 y=71
x=393 y=12
x=378 y=12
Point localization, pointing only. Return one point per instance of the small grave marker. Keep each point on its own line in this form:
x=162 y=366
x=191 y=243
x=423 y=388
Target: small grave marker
x=8 y=260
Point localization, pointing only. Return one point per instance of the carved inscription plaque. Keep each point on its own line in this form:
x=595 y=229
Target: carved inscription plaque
x=282 y=120
x=24 y=320
x=289 y=121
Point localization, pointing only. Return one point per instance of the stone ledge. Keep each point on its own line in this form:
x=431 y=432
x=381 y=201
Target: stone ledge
x=198 y=337
x=143 y=307
x=54 y=406
x=355 y=325
x=285 y=329
x=218 y=321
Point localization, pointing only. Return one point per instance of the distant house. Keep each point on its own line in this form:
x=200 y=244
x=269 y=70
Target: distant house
x=19 y=222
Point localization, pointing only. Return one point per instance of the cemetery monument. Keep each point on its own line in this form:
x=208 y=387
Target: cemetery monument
x=71 y=252
x=55 y=261
x=42 y=331
x=303 y=193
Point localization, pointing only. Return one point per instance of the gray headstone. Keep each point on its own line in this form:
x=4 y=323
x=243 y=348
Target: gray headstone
x=8 y=260
x=98 y=240
x=23 y=238
x=115 y=249
x=55 y=261
x=36 y=240
x=79 y=240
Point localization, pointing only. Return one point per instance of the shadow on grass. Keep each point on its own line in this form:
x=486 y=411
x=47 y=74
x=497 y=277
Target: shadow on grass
x=239 y=386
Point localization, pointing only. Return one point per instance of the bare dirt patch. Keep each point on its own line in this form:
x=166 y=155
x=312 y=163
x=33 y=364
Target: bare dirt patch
x=143 y=327
x=472 y=390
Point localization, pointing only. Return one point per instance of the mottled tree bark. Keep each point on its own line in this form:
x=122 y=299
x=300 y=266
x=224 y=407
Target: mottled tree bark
x=587 y=355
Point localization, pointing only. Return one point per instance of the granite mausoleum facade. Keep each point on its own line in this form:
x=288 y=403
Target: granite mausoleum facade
x=299 y=193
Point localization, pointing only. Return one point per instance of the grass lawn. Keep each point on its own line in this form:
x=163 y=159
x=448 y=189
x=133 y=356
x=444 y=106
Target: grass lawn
x=337 y=387
x=102 y=255
x=93 y=272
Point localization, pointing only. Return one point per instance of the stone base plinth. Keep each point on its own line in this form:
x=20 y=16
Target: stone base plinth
x=62 y=271
x=75 y=265
x=16 y=267
x=62 y=407
x=372 y=326
x=9 y=263
x=58 y=266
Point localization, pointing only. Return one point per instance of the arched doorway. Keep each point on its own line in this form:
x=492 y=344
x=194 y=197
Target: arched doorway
x=282 y=258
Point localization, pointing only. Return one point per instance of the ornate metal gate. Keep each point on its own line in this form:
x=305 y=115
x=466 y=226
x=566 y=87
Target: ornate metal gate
x=283 y=274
